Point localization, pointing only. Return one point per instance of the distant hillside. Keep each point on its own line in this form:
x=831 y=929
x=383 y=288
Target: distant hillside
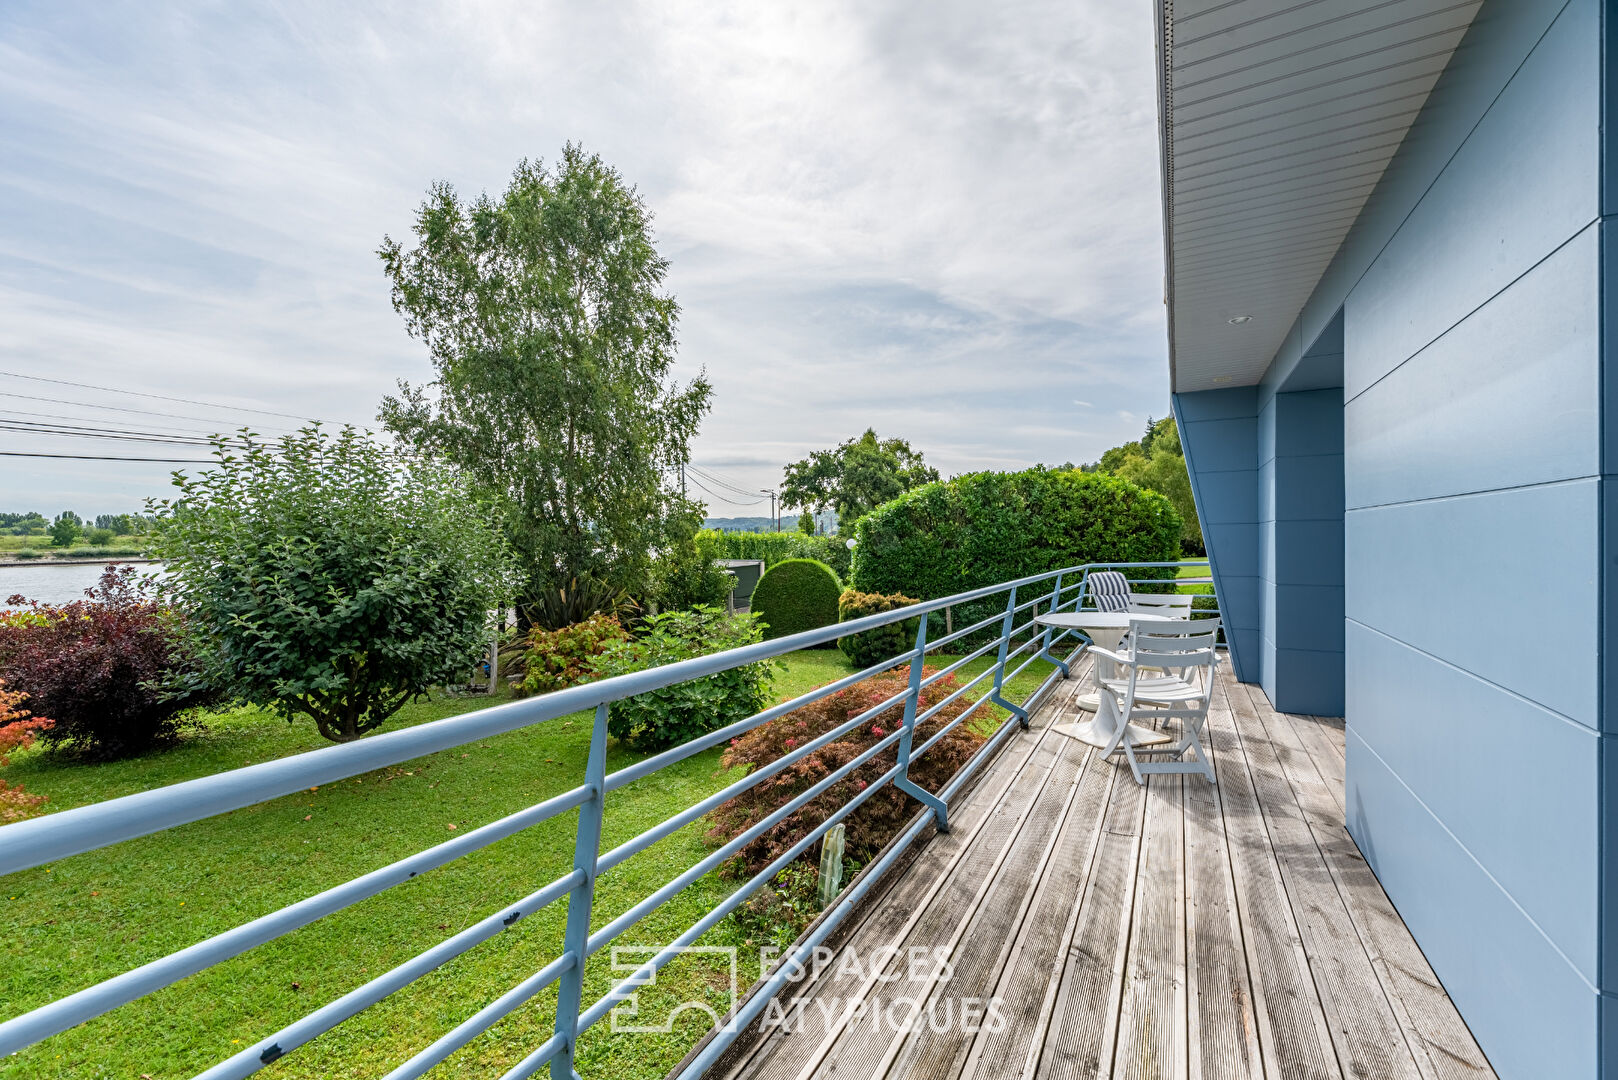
x=827 y=523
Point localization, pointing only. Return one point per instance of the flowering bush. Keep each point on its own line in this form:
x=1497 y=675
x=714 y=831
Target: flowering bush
x=676 y=714
x=17 y=732
x=561 y=658
x=111 y=670
x=879 y=817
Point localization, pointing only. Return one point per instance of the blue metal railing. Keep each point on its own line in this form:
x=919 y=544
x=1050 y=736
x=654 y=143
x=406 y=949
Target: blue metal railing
x=35 y=842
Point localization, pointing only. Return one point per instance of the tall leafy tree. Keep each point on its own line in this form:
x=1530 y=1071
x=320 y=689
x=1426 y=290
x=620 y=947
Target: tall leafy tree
x=553 y=343
x=1157 y=461
x=855 y=477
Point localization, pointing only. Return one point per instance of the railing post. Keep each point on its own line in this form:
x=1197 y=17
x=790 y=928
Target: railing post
x=586 y=849
x=1045 y=646
x=907 y=733
x=995 y=695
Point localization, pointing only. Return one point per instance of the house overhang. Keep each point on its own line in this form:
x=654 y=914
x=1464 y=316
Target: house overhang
x=1277 y=119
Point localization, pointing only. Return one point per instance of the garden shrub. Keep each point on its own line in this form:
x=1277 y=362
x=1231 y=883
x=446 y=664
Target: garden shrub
x=796 y=595
x=687 y=572
x=675 y=714
x=773 y=547
x=113 y=670
x=986 y=528
x=874 y=646
x=558 y=659
x=883 y=814
x=17 y=731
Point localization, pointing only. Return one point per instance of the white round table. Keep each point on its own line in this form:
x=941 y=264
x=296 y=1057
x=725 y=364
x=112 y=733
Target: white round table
x=1107 y=630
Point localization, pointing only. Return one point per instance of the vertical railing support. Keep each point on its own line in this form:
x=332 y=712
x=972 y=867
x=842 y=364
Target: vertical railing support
x=1045 y=646
x=586 y=849
x=996 y=694
x=907 y=735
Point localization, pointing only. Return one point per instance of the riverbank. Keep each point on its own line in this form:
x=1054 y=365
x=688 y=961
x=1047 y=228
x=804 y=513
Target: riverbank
x=75 y=560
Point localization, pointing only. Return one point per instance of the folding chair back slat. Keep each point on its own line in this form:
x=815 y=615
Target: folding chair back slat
x=1173 y=605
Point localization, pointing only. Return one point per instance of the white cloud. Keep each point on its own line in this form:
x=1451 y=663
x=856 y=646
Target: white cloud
x=937 y=220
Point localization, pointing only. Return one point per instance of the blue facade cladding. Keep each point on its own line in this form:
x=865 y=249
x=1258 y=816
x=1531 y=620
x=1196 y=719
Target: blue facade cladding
x=1434 y=433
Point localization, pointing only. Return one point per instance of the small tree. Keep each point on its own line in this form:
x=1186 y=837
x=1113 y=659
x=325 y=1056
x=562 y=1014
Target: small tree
x=328 y=576
x=855 y=477
x=806 y=523
x=66 y=529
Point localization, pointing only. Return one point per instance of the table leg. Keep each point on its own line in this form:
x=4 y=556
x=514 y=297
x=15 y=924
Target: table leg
x=1090 y=701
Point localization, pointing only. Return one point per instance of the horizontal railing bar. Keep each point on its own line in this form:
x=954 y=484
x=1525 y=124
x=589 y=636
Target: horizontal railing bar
x=362 y=997
x=637 y=844
x=58 y=1016
x=483 y=1019
x=530 y=1064
x=630 y=773
x=25 y=844
x=604 y=1004
x=954 y=695
x=946 y=672
x=713 y=861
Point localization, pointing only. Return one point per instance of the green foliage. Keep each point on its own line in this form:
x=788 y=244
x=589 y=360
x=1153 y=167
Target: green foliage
x=772 y=547
x=558 y=659
x=854 y=477
x=806 y=523
x=686 y=572
x=66 y=529
x=676 y=714
x=327 y=576
x=100 y=536
x=553 y=344
x=796 y=595
x=986 y=528
x=885 y=642
x=576 y=600
x=1157 y=462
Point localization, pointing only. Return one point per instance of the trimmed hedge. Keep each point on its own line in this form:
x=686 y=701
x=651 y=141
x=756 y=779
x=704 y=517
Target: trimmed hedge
x=985 y=528
x=874 y=646
x=796 y=595
x=772 y=547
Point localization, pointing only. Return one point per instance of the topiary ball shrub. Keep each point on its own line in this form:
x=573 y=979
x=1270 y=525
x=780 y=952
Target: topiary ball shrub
x=885 y=642
x=796 y=595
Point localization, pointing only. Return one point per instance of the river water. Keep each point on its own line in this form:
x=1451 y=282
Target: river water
x=56 y=583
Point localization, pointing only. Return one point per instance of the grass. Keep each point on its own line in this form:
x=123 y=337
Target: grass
x=81 y=920
x=37 y=546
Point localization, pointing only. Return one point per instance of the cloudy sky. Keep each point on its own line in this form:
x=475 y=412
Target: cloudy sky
x=940 y=220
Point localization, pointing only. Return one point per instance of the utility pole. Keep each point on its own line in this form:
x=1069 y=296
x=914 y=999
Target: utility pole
x=771 y=493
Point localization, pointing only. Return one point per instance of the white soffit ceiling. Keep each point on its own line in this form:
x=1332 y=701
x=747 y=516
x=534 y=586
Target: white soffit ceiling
x=1279 y=117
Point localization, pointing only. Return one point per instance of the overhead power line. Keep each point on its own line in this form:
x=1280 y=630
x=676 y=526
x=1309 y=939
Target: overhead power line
x=106 y=457
x=158 y=397
x=121 y=409
x=697 y=483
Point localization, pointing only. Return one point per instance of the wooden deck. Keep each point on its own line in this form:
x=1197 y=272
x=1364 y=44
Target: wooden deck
x=1175 y=930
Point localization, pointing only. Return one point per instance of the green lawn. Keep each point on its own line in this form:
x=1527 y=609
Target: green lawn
x=83 y=919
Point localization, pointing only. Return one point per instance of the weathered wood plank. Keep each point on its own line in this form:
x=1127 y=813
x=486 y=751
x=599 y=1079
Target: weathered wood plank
x=1365 y=1033
x=1310 y=734
x=1223 y=1043
x=1032 y=976
x=1084 y=1023
x=860 y=1034
x=887 y=918
x=1152 y=1020
x=936 y=1049
x=1437 y=1036
x=1293 y=1038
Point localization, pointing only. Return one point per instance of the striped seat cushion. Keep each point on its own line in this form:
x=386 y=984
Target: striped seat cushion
x=1109 y=590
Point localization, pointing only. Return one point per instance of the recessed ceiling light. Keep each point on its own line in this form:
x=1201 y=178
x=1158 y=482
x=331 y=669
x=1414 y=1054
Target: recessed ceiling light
x=1237 y=320
x=1221 y=378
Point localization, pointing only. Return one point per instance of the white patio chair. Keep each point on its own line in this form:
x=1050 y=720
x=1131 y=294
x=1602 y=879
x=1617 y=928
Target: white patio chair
x=1186 y=651
x=1108 y=591
x=1169 y=605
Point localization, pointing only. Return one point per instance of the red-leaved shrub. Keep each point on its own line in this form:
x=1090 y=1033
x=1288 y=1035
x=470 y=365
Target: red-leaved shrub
x=111 y=670
x=17 y=731
x=880 y=816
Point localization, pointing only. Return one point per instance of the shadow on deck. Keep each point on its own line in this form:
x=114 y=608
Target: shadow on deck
x=1093 y=927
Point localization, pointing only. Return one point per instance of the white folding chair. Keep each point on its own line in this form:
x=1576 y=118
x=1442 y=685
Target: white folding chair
x=1186 y=650
x=1170 y=605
